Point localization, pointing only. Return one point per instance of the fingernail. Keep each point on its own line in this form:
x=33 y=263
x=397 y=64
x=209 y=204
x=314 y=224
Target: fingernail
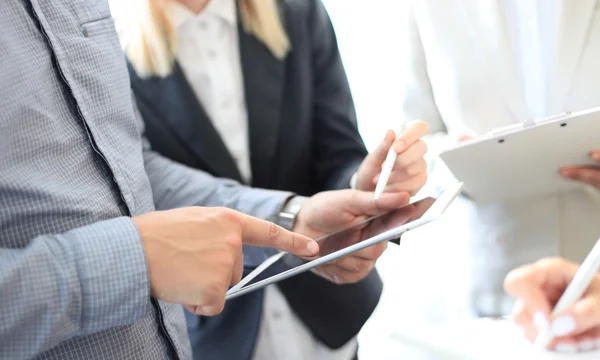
x=587 y=345
x=563 y=326
x=540 y=322
x=566 y=348
x=385 y=140
x=596 y=156
x=312 y=247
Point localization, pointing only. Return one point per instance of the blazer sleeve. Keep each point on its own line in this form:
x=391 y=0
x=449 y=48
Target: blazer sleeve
x=338 y=146
x=175 y=185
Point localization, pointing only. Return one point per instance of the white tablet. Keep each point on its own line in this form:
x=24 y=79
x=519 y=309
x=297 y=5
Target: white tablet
x=524 y=161
x=374 y=230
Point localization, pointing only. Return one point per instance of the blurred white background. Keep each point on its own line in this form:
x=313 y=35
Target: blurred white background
x=369 y=39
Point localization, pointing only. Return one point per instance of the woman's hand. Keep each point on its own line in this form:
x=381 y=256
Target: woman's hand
x=410 y=169
x=537 y=288
x=586 y=174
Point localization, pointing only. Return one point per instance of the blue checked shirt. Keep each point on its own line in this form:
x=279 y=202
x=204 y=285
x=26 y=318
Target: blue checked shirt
x=73 y=169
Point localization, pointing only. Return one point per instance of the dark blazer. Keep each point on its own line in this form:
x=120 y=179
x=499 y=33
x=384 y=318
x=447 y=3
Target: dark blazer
x=303 y=138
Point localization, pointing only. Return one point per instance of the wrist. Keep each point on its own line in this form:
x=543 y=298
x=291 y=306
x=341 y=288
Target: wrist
x=289 y=212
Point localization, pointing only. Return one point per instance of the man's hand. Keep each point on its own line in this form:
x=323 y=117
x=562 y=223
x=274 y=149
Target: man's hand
x=194 y=254
x=586 y=174
x=410 y=169
x=331 y=211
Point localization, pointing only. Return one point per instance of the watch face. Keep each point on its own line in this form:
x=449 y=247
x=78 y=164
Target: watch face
x=288 y=215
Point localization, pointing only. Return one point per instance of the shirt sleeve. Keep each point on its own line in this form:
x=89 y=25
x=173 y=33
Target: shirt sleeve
x=61 y=286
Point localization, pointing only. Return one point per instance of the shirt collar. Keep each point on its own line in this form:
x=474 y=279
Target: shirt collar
x=222 y=9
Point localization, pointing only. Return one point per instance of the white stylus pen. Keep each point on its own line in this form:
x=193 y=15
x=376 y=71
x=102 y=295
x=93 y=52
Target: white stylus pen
x=388 y=165
x=574 y=291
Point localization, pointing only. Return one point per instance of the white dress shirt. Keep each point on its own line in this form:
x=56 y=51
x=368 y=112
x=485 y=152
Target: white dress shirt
x=208 y=53
x=471 y=67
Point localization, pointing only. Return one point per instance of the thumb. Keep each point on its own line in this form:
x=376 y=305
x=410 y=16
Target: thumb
x=377 y=157
x=364 y=203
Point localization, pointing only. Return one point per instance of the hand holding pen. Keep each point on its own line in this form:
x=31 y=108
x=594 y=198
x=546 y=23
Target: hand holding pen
x=558 y=303
x=397 y=165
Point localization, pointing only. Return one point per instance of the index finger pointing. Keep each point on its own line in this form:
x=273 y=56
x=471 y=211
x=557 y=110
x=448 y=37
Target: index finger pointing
x=259 y=232
x=413 y=132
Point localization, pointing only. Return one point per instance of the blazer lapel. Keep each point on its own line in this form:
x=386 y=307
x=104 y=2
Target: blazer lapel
x=178 y=105
x=574 y=23
x=488 y=25
x=264 y=79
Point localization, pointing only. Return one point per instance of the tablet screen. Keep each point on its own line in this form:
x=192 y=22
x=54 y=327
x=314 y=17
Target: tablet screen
x=359 y=232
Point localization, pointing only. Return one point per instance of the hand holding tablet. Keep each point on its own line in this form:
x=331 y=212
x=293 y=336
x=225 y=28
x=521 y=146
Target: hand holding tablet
x=343 y=249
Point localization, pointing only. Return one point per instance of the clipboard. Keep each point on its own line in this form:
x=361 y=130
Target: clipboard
x=482 y=339
x=523 y=160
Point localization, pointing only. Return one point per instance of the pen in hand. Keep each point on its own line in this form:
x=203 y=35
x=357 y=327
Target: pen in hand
x=574 y=291
x=388 y=166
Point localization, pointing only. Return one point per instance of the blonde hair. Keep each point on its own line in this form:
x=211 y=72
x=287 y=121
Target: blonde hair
x=149 y=40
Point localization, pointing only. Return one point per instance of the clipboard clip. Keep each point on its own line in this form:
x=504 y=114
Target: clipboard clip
x=506 y=129
x=527 y=123
x=564 y=115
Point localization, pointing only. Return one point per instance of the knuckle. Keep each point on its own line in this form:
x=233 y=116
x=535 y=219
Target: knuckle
x=421 y=147
x=228 y=215
x=273 y=231
x=228 y=261
x=550 y=263
x=295 y=241
x=363 y=266
x=412 y=170
x=590 y=309
x=214 y=295
x=234 y=241
x=422 y=179
x=513 y=279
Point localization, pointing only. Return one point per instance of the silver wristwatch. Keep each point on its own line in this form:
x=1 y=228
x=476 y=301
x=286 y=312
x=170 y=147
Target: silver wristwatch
x=287 y=216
